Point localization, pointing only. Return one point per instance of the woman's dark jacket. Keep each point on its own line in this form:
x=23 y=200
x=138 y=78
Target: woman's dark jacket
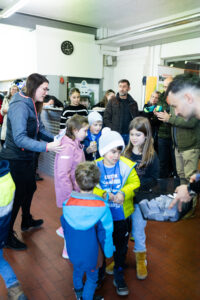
x=24 y=128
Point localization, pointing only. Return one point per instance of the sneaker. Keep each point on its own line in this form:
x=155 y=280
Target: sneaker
x=78 y=294
x=65 y=254
x=110 y=268
x=30 y=223
x=60 y=232
x=119 y=283
x=13 y=242
x=15 y=292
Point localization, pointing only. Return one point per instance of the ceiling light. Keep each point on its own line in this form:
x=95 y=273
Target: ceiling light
x=11 y=9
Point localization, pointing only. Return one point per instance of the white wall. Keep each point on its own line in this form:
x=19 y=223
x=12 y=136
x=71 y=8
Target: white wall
x=17 y=52
x=131 y=65
x=24 y=52
x=136 y=63
x=85 y=61
x=181 y=48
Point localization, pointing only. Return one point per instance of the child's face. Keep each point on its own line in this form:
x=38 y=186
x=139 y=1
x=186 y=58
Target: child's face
x=85 y=102
x=96 y=127
x=75 y=99
x=81 y=133
x=110 y=96
x=112 y=157
x=137 y=138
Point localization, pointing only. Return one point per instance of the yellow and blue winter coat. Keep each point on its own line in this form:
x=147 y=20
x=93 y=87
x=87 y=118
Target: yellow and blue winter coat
x=130 y=182
x=7 y=191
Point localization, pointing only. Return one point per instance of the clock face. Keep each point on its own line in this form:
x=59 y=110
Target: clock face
x=67 y=47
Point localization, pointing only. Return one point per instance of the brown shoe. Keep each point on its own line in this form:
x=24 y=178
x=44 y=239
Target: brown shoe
x=15 y=292
x=141 y=265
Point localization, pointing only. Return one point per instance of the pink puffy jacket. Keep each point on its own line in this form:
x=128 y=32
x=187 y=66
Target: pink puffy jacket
x=64 y=169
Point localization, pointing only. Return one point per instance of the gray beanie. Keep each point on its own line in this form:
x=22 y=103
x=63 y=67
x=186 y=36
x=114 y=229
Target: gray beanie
x=94 y=116
x=108 y=140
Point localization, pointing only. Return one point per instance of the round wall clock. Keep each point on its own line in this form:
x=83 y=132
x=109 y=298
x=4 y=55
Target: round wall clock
x=67 y=47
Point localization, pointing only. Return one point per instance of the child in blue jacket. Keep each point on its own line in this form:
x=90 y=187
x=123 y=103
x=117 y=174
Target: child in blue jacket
x=91 y=142
x=88 y=228
x=7 y=191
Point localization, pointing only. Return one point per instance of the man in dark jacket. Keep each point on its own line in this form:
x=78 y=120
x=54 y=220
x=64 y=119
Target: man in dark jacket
x=121 y=110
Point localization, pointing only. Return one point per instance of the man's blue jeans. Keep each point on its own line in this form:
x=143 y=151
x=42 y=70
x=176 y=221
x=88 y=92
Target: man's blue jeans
x=7 y=272
x=138 y=229
x=90 y=284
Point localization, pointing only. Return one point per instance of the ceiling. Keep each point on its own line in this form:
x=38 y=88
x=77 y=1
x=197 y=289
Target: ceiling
x=118 y=22
x=112 y=14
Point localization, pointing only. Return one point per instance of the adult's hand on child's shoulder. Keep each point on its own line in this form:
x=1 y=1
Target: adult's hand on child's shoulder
x=54 y=146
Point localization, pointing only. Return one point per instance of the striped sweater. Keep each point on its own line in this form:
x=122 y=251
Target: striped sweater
x=69 y=111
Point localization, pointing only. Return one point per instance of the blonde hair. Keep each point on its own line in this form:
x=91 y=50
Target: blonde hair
x=142 y=124
x=75 y=122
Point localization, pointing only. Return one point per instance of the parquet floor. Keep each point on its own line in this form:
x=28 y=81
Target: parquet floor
x=173 y=258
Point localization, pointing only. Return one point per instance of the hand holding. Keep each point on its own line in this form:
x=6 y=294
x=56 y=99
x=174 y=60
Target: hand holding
x=193 y=178
x=119 y=198
x=181 y=197
x=163 y=116
x=111 y=197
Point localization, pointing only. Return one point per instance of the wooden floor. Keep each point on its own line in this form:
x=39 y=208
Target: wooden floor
x=173 y=258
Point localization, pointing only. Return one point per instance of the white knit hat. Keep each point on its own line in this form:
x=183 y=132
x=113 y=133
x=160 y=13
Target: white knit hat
x=108 y=140
x=94 y=116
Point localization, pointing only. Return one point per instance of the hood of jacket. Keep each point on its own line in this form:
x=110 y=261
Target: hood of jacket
x=20 y=97
x=93 y=205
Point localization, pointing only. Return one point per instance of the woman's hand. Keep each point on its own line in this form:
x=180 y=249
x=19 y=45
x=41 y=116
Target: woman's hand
x=54 y=146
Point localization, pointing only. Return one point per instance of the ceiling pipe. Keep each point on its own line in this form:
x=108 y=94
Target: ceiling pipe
x=12 y=8
x=174 y=23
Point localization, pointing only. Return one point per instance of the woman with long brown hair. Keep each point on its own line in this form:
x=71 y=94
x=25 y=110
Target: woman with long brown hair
x=24 y=127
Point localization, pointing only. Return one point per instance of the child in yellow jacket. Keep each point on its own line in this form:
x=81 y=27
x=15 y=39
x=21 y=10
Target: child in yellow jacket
x=117 y=182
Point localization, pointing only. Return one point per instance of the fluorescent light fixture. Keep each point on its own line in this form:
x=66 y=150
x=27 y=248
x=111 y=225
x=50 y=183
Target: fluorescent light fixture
x=11 y=9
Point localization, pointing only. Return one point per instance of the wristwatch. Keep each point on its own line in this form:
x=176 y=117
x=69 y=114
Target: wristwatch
x=190 y=191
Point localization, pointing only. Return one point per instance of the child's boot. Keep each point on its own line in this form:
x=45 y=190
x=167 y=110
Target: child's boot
x=119 y=282
x=110 y=268
x=79 y=294
x=64 y=253
x=15 y=292
x=141 y=265
x=60 y=232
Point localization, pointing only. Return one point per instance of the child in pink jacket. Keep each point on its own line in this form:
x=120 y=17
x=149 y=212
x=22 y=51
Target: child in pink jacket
x=67 y=160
